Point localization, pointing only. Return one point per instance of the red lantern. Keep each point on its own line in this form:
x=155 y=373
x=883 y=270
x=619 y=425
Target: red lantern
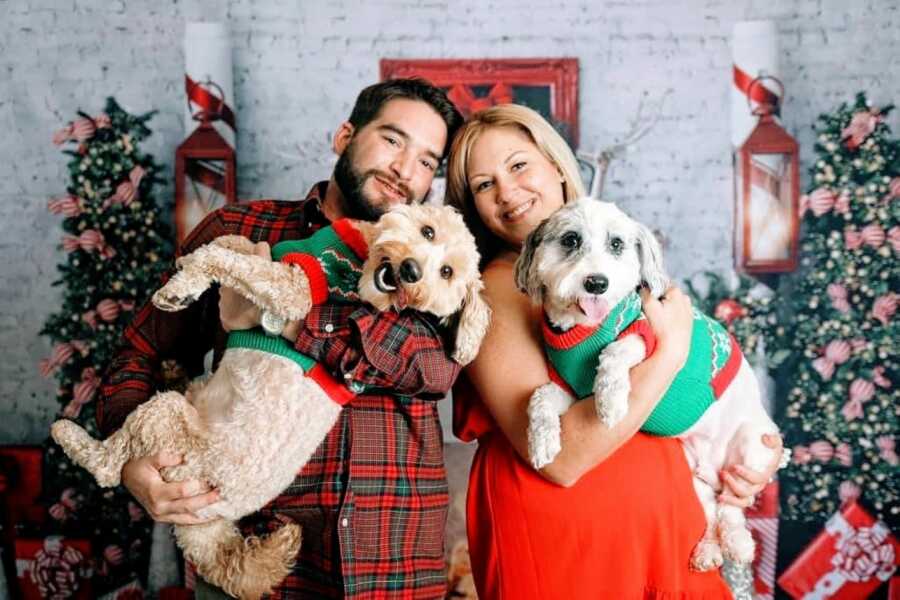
x=205 y=167
x=767 y=194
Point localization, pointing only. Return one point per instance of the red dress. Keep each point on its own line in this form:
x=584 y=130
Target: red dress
x=625 y=530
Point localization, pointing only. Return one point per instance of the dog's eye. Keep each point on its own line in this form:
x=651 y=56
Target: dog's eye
x=570 y=240
x=617 y=245
x=428 y=232
x=446 y=272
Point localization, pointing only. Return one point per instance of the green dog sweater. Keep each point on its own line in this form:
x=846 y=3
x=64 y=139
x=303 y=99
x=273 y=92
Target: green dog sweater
x=712 y=363
x=332 y=260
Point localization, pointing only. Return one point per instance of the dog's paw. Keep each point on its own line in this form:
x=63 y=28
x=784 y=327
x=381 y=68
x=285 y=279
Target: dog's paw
x=543 y=438
x=738 y=545
x=180 y=291
x=168 y=301
x=611 y=397
x=706 y=556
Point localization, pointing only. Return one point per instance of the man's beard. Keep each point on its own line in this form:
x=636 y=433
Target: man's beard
x=351 y=182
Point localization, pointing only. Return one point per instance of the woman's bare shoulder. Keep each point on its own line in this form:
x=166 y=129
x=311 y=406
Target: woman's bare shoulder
x=499 y=276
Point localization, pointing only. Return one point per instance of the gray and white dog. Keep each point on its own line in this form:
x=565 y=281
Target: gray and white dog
x=584 y=265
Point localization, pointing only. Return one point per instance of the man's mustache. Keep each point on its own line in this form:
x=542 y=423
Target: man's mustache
x=404 y=189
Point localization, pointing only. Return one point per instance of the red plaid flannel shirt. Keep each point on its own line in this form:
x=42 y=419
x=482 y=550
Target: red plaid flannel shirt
x=372 y=500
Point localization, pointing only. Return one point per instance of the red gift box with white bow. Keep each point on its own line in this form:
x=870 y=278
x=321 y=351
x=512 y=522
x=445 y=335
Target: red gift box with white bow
x=54 y=567
x=854 y=555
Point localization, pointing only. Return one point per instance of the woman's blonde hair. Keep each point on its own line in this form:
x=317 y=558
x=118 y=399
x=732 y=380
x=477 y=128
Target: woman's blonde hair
x=545 y=137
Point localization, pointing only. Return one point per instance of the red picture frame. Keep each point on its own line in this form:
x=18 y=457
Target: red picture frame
x=548 y=85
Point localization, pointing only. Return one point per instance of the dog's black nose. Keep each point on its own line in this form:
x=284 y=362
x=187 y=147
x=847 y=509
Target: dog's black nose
x=596 y=283
x=410 y=272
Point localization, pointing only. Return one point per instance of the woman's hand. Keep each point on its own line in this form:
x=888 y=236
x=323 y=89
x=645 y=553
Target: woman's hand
x=672 y=320
x=743 y=484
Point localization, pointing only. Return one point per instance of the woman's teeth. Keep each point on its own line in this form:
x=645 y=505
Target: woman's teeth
x=519 y=210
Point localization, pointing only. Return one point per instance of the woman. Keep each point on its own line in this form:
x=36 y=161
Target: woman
x=615 y=515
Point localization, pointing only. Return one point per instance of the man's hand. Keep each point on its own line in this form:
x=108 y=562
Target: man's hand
x=235 y=311
x=166 y=502
x=743 y=484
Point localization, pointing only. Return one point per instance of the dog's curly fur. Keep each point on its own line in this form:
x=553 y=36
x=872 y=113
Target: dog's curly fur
x=217 y=428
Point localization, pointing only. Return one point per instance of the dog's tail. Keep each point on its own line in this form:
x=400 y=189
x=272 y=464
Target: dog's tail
x=103 y=460
x=244 y=568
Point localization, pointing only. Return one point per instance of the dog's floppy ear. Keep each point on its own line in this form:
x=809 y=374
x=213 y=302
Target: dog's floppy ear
x=472 y=325
x=526 y=279
x=650 y=255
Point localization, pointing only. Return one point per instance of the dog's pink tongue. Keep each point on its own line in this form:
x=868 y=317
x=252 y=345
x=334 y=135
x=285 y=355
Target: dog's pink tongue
x=594 y=308
x=400 y=298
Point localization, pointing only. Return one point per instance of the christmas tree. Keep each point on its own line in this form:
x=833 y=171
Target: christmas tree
x=117 y=248
x=840 y=335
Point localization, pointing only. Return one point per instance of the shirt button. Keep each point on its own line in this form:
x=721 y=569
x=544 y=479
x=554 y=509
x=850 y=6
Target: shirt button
x=345 y=521
x=329 y=327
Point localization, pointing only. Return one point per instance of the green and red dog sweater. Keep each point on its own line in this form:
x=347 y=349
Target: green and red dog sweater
x=711 y=366
x=332 y=260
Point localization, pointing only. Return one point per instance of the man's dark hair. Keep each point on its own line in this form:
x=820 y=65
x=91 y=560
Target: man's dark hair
x=371 y=100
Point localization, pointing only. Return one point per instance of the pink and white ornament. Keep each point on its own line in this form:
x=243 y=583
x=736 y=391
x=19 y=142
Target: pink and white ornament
x=884 y=307
x=61 y=136
x=108 y=310
x=860 y=127
x=873 y=235
x=879 y=379
x=838 y=294
x=83 y=129
x=843 y=454
x=893 y=237
x=852 y=238
x=836 y=352
x=861 y=391
x=848 y=491
x=821 y=201
x=842 y=204
x=67 y=206
x=59 y=356
x=90 y=240
x=82 y=393
x=127 y=191
x=887 y=450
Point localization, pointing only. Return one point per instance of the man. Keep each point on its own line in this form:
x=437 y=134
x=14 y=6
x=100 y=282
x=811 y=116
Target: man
x=372 y=499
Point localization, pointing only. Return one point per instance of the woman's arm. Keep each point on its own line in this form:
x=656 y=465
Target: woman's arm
x=511 y=365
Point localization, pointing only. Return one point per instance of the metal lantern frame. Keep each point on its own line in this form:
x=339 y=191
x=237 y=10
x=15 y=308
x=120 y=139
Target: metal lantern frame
x=204 y=143
x=768 y=137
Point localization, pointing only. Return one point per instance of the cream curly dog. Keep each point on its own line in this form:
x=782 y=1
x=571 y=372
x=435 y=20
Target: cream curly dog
x=583 y=265
x=418 y=257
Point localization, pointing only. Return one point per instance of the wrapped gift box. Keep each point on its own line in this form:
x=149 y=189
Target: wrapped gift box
x=854 y=555
x=54 y=567
x=762 y=521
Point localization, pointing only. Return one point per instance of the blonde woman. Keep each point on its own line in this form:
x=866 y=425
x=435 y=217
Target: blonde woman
x=615 y=514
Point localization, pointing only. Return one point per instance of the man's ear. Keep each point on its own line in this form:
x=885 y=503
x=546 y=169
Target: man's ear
x=342 y=137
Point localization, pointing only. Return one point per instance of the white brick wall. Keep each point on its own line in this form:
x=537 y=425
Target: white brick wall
x=298 y=66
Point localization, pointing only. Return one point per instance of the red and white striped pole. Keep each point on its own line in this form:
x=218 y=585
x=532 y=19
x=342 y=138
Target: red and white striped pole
x=207 y=57
x=755 y=53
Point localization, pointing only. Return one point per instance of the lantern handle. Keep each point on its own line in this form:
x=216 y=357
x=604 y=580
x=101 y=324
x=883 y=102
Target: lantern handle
x=765 y=108
x=212 y=112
